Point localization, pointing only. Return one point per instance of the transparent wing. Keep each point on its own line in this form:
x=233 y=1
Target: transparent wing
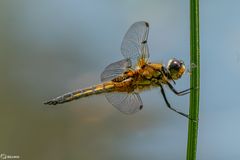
x=134 y=45
x=127 y=103
x=115 y=69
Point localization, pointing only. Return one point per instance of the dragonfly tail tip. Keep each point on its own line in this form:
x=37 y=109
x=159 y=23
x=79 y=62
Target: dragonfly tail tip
x=51 y=102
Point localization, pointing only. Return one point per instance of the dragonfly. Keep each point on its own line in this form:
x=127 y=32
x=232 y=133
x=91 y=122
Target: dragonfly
x=124 y=80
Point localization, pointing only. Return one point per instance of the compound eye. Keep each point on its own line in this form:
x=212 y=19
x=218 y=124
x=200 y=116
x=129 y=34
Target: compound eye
x=175 y=65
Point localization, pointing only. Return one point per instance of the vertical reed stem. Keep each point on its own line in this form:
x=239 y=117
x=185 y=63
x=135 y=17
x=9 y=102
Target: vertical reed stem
x=194 y=80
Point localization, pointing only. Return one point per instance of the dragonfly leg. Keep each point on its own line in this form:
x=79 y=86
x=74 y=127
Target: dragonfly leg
x=179 y=93
x=168 y=104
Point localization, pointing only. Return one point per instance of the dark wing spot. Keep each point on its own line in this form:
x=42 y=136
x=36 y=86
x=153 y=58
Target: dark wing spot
x=145 y=41
x=146 y=23
x=141 y=107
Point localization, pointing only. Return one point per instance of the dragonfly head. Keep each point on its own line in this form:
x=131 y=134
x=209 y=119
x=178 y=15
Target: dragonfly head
x=176 y=68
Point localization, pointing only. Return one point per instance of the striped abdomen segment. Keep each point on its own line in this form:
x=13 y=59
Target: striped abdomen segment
x=97 y=89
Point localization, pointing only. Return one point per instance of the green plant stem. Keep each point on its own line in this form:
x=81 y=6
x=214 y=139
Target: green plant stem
x=194 y=80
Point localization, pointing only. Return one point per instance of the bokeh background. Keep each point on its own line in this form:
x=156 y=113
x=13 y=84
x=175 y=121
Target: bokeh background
x=51 y=47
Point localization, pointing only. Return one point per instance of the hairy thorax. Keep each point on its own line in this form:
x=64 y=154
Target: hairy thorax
x=143 y=78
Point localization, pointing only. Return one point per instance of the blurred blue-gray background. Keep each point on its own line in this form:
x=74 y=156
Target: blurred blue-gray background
x=51 y=47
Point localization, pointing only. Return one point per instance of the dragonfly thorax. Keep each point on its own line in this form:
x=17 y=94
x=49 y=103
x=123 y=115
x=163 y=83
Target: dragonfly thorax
x=153 y=72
